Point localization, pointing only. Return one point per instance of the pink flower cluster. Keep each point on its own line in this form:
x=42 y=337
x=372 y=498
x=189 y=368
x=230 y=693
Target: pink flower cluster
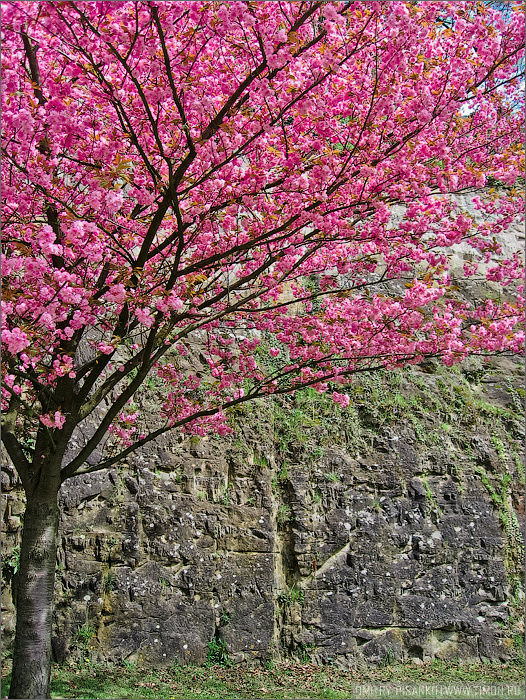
x=284 y=217
x=53 y=420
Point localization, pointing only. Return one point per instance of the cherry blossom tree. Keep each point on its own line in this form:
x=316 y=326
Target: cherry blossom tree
x=265 y=186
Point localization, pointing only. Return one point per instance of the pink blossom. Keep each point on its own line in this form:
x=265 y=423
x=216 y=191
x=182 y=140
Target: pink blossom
x=55 y=420
x=105 y=348
x=316 y=216
x=116 y=294
x=342 y=399
x=113 y=201
x=15 y=339
x=145 y=317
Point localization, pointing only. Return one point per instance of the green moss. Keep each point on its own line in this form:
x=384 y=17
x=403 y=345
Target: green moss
x=283 y=514
x=431 y=496
x=499 y=446
x=109 y=582
x=446 y=401
x=308 y=421
x=499 y=489
x=444 y=407
x=518 y=460
x=317 y=496
x=284 y=472
x=261 y=460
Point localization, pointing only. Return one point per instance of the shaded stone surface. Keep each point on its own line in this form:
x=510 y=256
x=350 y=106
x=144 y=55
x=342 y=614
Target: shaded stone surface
x=392 y=549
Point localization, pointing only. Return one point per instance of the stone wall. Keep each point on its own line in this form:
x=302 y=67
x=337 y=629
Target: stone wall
x=387 y=530
x=392 y=529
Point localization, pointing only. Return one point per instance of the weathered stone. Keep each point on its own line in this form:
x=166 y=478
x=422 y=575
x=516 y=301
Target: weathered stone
x=396 y=552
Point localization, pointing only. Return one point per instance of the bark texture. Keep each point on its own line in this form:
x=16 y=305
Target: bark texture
x=34 y=596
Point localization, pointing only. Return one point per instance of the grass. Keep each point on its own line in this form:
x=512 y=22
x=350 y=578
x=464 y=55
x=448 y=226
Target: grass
x=217 y=654
x=290 y=596
x=279 y=680
x=84 y=634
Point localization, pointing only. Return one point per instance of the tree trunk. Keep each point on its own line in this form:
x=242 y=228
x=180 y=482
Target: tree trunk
x=34 y=597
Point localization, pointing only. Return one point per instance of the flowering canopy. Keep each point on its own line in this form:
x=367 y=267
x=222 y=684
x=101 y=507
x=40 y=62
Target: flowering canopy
x=252 y=179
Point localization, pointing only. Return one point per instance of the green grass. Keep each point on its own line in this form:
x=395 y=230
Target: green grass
x=217 y=654
x=290 y=596
x=279 y=680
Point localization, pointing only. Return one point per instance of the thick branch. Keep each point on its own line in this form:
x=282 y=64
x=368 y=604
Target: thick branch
x=20 y=462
